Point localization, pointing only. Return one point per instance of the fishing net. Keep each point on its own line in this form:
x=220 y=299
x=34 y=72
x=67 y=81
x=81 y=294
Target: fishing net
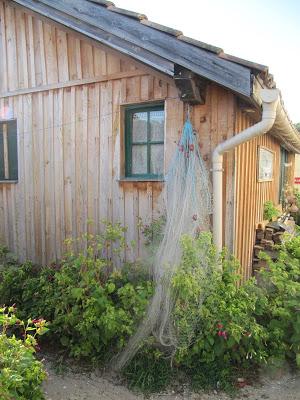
x=188 y=204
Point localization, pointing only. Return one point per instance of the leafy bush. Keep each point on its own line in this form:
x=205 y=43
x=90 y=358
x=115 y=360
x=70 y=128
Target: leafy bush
x=270 y=211
x=217 y=314
x=153 y=235
x=92 y=308
x=297 y=214
x=21 y=374
x=96 y=314
x=6 y=258
x=29 y=287
x=281 y=284
x=214 y=321
x=224 y=328
x=150 y=370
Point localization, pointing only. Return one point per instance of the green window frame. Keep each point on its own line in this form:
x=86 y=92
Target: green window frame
x=144 y=146
x=8 y=151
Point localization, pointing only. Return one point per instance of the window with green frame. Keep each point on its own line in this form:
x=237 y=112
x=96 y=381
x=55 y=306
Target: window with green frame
x=144 y=141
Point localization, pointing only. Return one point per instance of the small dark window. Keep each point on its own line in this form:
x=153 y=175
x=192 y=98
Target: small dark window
x=8 y=151
x=144 y=141
x=283 y=178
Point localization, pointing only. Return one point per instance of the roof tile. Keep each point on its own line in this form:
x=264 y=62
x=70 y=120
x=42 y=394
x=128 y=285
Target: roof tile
x=202 y=45
x=128 y=13
x=162 y=28
x=246 y=63
x=105 y=3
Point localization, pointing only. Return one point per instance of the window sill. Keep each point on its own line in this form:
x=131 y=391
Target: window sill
x=8 y=181
x=121 y=180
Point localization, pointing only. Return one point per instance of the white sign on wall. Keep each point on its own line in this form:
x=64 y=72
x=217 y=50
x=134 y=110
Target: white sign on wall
x=265 y=164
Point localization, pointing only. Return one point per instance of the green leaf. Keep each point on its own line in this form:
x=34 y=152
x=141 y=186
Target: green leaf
x=77 y=293
x=110 y=287
x=211 y=340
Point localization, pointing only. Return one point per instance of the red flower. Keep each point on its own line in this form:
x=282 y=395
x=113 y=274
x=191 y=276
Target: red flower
x=37 y=321
x=220 y=326
x=224 y=334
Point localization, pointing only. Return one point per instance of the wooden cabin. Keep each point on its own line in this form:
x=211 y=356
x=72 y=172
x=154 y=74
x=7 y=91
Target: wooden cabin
x=92 y=103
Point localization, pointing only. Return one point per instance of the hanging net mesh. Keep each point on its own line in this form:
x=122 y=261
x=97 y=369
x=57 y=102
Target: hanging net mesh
x=188 y=205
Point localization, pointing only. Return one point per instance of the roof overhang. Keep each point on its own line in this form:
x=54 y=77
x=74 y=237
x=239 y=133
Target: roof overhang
x=160 y=49
x=164 y=49
x=285 y=131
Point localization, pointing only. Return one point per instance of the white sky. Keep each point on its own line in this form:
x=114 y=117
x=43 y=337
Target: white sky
x=266 y=31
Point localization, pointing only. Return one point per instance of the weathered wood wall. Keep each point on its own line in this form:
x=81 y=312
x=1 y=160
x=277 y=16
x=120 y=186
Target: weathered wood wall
x=251 y=194
x=67 y=96
x=69 y=136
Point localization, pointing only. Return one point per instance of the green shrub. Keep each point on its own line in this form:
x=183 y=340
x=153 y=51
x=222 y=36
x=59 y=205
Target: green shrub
x=21 y=375
x=153 y=235
x=216 y=314
x=224 y=328
x=270 y=211
x=96 y=314
x=150 y=370
x=30 y=288
x=92 y=308
x=6 y=258
x=214 y=322
x=297 y=214
x=281 y=283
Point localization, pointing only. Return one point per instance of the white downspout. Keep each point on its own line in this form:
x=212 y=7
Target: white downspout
x=270 y=100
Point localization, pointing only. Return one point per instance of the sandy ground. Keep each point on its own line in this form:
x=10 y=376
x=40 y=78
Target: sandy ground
x=96 y=386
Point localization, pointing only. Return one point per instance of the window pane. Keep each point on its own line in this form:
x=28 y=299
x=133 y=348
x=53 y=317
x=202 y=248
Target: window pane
x=157 y=121
x=157 y=159
x=8 y=150
x=139 y=127
x=2 y=174
x=12 y=150
x=139 y=159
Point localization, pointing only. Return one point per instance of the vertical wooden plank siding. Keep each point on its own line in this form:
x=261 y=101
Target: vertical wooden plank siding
x=70 y=139
x=251 y=194
x=35 y=53
x=69 y=152
x=70 y=145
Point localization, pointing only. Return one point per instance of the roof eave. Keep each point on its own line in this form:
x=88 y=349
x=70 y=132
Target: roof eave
x=285 y=131
x=143 y=42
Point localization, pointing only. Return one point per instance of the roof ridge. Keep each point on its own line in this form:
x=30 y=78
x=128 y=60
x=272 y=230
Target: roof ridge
x=202 y=45
x=128 y=13
x=104 y=3
x=157 y=45
x=162 y=28
x=143 y=19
